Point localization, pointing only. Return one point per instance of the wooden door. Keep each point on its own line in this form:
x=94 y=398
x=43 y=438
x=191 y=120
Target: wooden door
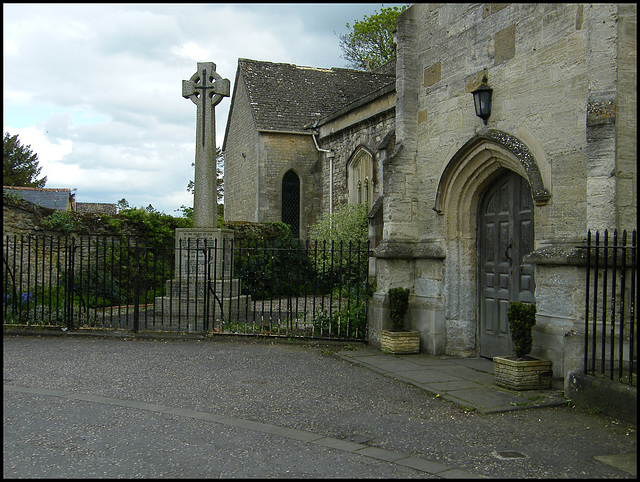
x=505 y=236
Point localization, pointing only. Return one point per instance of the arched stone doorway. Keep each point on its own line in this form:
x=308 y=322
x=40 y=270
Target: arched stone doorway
x=505 y=237
x=463 y=186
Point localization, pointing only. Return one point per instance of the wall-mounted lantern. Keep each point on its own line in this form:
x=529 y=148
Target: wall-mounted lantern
x=482 y=100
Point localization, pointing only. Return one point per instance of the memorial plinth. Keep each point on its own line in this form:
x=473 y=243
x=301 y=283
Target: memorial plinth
x=203 y=283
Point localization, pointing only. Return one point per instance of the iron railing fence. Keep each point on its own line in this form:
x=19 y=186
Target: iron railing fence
x=267 y=288
x=611 y=298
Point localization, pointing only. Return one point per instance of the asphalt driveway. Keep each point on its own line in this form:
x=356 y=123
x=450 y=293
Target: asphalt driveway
x=98 y=407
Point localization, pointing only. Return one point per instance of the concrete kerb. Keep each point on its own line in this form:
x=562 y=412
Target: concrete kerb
x=155 y=335
x=405 y=460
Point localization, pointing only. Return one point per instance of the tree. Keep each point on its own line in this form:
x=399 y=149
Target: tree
x=219 y=172
x=122 y=205
x=20 y=165
x=371 y=44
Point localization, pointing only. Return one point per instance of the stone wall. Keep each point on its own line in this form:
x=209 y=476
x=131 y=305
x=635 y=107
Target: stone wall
x=279 y=153
x=563 y=79
x=241 y=155
x=626 y=117
x=369 y=134
x=22 y=218
x=35 y=253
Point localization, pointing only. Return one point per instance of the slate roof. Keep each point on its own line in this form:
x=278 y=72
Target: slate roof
x=45 y=197
x=286 y=97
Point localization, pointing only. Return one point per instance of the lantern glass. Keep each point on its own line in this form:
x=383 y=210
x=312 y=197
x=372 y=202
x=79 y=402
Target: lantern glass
x=482 y=102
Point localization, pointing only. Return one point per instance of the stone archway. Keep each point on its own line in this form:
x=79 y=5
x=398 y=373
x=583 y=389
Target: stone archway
x=468 y=174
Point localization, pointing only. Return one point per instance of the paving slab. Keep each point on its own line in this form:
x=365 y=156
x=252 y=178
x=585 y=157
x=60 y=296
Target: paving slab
x=425 y=375
x=442 y=387
x=388 y=363
x=467 y=373
x=469 y=382
x=626 y=462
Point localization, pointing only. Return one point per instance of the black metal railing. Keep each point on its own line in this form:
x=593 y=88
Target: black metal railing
x=610 y=307
x=267 y=288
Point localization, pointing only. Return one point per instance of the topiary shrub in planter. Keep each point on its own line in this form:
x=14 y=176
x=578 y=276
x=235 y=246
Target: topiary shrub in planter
x=398 y=340
x=522 y=372
x=522 y=318
x=398 y=305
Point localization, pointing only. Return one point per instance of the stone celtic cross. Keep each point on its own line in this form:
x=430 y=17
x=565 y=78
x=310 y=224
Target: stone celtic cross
x=206 y=89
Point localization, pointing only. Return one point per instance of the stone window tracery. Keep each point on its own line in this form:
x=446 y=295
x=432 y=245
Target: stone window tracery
x=359 y=176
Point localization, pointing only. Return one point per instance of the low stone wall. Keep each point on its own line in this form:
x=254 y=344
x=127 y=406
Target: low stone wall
x=23 y=218
x=604 y=396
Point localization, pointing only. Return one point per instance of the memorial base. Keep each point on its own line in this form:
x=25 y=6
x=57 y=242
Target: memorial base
x=203 y=289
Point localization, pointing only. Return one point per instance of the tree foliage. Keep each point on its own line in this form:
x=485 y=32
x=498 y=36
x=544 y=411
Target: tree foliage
x=347 y=224
x=20 y=164
x=370 y=43
x=219 y=173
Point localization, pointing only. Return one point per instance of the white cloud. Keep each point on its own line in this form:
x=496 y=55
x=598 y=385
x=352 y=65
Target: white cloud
x=96 y=88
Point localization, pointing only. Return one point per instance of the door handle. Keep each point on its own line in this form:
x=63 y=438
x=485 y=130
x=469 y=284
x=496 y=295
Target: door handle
x=506 y=252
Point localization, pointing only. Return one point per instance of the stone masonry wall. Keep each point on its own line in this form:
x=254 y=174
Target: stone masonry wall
x=563 y=79
x=534 y=58
x=280 y=152
x=368 y=134
x=241 y=156
x=626 y=117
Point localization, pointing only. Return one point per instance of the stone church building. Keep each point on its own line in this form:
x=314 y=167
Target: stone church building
x=273 y=162
x=467 y=216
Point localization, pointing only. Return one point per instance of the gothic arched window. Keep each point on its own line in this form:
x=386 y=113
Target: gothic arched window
x=291 y=202
x=360 y=177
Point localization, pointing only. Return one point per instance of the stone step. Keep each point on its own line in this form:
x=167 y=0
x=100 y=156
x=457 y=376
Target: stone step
x=171 y=306
x=195 y=288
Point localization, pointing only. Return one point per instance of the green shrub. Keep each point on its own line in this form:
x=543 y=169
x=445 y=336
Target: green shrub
x=115 y=272
x=12 y=195
x=348 y=223
x=337 y=241
x=522 y=318
x=398 y=305
x=247 y=231
x=275 y=268
x=65 y=221
x=350 y=322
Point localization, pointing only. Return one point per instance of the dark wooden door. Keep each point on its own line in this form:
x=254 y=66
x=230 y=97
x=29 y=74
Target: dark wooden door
x=505 y=236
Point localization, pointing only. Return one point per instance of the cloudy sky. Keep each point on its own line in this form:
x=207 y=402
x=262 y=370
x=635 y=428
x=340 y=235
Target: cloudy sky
x=95 y=89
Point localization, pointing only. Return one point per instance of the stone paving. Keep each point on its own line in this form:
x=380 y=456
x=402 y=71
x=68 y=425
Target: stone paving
x=468 y=382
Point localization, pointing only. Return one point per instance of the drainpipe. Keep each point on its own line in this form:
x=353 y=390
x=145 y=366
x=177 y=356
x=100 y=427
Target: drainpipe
x=330 y=155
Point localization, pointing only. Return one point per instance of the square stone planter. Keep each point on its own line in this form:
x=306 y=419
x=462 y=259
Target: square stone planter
x=530 y=374
x=400 y=342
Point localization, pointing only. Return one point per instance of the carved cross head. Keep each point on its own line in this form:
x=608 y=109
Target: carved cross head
x=206 y=82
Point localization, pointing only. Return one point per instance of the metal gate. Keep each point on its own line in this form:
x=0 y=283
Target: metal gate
x=611 y=300
x=267 y=288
